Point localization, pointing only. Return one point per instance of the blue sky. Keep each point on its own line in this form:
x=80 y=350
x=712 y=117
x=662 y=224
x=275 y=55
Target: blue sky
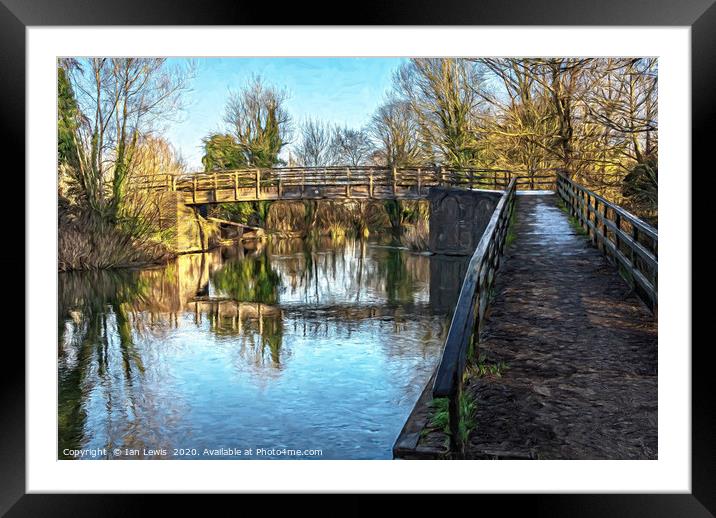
x=343 y=91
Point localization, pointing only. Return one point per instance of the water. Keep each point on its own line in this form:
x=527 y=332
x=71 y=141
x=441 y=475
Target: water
x=289 y=350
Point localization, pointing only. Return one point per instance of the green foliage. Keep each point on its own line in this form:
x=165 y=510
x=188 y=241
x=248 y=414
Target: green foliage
x=402 y=212
x=250 y=280
x=399 y=284
x=511 y=232
x=440 y=417
x=259 y=122
x=68 y=119
x=641 y=184
x=222 y=151
x=254 y=213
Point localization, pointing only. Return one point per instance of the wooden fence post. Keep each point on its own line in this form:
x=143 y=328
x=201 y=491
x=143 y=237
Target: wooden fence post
x=258 y=184
x=348 y=185
x=370 y=184
x=236 y=186
x=454 y=417
x=395 y=176
x=419 y=182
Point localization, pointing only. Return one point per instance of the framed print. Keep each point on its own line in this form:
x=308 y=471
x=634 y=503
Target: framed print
x=364 y=258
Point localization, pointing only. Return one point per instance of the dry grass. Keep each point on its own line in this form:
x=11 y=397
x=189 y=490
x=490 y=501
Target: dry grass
x=87 y=244
x=416 y=236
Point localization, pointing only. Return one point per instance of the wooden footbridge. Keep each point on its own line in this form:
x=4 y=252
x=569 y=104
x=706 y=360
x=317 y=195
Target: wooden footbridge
x=314 y=183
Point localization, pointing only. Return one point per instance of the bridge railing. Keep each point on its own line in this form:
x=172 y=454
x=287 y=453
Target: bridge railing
x=621 y=236
x=463 y=337
x=336 y=182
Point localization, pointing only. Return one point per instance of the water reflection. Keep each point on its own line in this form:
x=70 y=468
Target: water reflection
x=291 y=344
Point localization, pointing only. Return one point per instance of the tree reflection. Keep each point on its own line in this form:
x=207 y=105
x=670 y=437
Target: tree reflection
x=92 y=310
x=251 y=280
x=118 y=350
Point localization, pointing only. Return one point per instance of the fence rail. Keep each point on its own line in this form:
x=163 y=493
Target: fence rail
x=626 y=239
x=335 y=182
x=463 y=336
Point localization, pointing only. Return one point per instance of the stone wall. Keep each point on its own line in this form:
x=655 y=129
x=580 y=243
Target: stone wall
x=458 y=219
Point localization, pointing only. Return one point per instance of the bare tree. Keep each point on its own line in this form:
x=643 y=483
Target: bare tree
x=442 y=92
x=314 y=148
x=122 y=101
x=259 y=121
x=396 y=132
x=351 y=146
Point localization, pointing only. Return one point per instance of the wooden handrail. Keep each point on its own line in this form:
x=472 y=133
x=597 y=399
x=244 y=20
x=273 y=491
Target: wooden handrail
x=463 y=336
x=351 y=181
x=622 y=237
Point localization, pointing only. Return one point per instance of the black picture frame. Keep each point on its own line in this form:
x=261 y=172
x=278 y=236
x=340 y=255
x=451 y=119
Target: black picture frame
x=700 y=15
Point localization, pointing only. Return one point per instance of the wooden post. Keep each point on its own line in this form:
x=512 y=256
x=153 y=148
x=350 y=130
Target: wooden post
x=174 y=183
x=395 y=179
x=370 y=184
x=193 y=192
x=456 y=445
x=604 y=227
x=303 y=183
x=236 y=186
x=419 y=181
x=442 y=175
x=348 y=185
x=258 y=184
x=280 y=187
x=216 y=188
x=635 y=237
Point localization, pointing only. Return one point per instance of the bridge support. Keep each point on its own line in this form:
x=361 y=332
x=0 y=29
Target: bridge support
x=458 y=218
x=189 y=231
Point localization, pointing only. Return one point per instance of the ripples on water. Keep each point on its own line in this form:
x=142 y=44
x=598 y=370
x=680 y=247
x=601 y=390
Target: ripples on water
x=324 y=347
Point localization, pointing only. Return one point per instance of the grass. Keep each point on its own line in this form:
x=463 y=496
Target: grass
x=89 y=243
x=574 y=222
x=511 y=233
x=441 y=416
x=482 y=368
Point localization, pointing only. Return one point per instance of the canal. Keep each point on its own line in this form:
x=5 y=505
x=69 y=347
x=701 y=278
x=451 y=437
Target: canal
x=286 y=349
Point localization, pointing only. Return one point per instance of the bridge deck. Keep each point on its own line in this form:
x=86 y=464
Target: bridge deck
x=580 y=349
